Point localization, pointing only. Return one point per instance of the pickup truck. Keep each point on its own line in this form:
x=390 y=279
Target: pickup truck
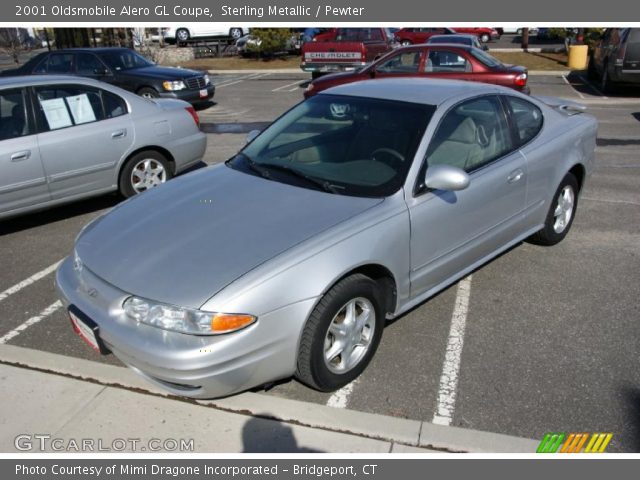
x=351 y=48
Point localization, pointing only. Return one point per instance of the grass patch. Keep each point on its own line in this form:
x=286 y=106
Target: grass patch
x=534 y=61
x=239 y=63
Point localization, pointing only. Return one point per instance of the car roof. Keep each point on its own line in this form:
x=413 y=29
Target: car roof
x=427 y=91
x=454 y=35
x=26 y=80
x=91 y=49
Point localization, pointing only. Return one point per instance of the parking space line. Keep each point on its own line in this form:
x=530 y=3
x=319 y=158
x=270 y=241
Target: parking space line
x=32 y=321
x=32 y=279
x=288 y=86
x=451 y=367
x=340 y=398
x=566 y=80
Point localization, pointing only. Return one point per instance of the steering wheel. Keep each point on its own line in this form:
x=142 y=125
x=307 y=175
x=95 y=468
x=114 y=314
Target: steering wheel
x=392 y=154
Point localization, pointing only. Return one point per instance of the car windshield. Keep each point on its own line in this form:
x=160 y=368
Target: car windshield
x=485 y=58
x=340 y=144
x=124 y=60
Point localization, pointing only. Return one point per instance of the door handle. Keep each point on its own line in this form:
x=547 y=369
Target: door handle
x=119 y=133
x=24 y=155
x=515 y=176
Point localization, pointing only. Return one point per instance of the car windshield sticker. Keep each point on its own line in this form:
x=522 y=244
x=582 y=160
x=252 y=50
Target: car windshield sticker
x=81 y=109
x=56 y=113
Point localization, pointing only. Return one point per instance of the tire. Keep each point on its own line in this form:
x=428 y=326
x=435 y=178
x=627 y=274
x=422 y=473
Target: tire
x=148 y=92
x=235 y=33
x=314 y=368
x=554 y=231
x=182 y=36
x=143 y=162
x=484 y=38
x=605 y=81
x=405 y=43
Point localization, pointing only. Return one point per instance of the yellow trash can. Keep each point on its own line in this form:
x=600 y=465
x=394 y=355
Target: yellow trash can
x=578 y=57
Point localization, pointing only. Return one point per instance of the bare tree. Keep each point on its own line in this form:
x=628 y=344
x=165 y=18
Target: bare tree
x=13 y=42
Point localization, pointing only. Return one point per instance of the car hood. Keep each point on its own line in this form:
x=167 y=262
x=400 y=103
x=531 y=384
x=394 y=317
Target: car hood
x=162 y=73
x=183 y=242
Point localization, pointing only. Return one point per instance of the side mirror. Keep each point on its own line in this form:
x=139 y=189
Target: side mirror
x=252 y=135
x=446 y=177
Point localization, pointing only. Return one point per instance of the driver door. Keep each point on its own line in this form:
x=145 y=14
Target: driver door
x=452 y=231
x=403 y=64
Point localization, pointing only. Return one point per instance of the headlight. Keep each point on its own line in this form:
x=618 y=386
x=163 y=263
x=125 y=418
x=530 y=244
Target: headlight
x=174 y=85
x=207 y=80
x=184 y=320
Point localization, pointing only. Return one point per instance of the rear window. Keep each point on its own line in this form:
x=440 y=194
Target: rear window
x=527 y=118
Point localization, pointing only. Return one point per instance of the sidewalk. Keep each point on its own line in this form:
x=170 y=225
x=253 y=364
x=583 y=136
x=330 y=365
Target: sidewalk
x=72 y=399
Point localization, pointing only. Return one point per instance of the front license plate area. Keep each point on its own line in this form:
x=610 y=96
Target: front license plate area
x=203 y=93
x=87 y=329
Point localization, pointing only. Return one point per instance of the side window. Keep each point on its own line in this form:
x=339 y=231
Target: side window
x=408 y=62
x=42 y=66
x=88 y=64
x=13 y=118
x=60 y=63
x=114 y=106
x=62 y=106
x=471 y=135
x=376 y=34
x=444 y=61
x=526 y=117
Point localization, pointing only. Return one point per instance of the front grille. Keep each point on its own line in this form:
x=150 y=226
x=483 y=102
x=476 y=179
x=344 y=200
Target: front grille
x=195 y=83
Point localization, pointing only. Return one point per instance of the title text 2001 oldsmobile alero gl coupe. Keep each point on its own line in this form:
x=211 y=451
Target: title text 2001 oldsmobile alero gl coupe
x=351 y=208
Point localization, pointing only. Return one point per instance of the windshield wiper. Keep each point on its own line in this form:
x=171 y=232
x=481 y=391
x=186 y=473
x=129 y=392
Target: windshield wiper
x=324 y=185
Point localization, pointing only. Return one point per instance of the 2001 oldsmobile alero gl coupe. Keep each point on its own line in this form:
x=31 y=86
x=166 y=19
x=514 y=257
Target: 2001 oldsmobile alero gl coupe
x=350 y=209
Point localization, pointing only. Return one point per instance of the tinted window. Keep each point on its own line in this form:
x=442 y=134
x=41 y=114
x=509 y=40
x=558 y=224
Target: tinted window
x=88 y=64
x=485 y=58
x=13 y=118
x=347 y=145
x=407 y=62
x=124 y=59
x=64 y=106
x=59 y=63
x=527 y=118
x=471 y=135
x=444 y=61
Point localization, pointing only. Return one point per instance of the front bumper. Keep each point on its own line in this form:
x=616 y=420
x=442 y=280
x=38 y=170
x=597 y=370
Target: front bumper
x=188 y=365
x=191 y=96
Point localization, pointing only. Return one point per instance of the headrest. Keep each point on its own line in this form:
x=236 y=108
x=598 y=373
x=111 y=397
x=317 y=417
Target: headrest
x=465 y=132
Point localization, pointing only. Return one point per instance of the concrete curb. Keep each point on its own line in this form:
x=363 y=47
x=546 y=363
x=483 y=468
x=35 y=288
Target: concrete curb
x=381 y=427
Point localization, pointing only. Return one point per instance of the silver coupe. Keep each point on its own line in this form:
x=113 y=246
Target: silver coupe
x=67 y=138
x=350 y=209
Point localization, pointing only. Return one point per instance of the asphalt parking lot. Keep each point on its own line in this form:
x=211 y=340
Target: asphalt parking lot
x=552 y=334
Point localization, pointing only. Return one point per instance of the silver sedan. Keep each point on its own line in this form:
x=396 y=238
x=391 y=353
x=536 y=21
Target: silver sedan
x=350 y=209
x=67 y=138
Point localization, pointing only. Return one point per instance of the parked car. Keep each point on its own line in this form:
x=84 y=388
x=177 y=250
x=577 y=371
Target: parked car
x=124 y=68
x=351 y=49
x=67 y=138
x=447 y=61
x=484 y=34
x=250 y=45
x=204 y=30
x=516 y=30
x=458 y=38
x=323 y=35
x=412 y=36
x=615 y=60
x=350 y=209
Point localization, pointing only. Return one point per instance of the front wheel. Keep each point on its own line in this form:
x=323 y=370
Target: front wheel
x=484 y=38
x=148 y=92
x=405 y=43
x=561 y=212
x=235 y=33
x=342 y=334
x=143 y=171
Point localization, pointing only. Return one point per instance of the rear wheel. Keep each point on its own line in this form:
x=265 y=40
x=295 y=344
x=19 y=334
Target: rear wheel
x=342 y=334
x=404 y=43
x=235 y=33
x=561 y=212
x=182 y=35
x=144 y=171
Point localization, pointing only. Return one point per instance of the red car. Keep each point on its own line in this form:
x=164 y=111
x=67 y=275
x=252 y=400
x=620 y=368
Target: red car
x=455 y=62
x=485 y=34
x=413 y=36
